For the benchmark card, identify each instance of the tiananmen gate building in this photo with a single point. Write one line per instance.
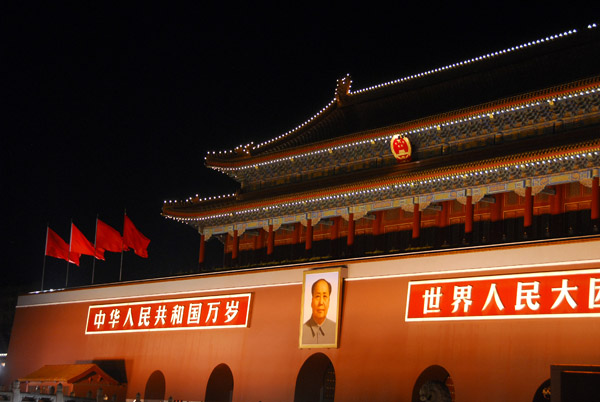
(433, 238)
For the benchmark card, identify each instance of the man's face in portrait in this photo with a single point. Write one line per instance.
(320, 301)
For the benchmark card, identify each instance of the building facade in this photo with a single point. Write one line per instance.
(453, 215)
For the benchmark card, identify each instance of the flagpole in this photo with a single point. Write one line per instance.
(45, 250)
(121, 268)
(95, 250)
(70, 242)
(122, 246)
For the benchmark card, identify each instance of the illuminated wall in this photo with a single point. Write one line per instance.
(381, 356)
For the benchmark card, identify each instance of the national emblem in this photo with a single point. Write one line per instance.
(401, 148)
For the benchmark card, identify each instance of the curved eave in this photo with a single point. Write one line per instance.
(408, 128)
(285, 146)
(246, 156)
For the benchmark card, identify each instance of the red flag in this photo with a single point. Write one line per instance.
(58, 248)
(55, 246)
(107, 239)
(79, 244)
(74, 258)
(133, 238)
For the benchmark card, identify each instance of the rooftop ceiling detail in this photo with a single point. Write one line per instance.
(552, 161)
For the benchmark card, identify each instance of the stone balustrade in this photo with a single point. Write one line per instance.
(15, 395)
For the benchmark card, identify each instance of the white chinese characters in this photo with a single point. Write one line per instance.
(213, 311)
(564, 294)
(431, 302)
(568, 293)
(594, 293)
(527, 295)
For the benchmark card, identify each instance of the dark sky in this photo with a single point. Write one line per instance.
(111, 107)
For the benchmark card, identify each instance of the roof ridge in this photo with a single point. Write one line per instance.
(246, 149)
(414, 126)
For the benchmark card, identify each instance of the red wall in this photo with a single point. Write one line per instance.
(380, 355)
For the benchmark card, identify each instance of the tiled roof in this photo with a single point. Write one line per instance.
(68, 373)
(529, 113)
(455, 130)
(498, 75)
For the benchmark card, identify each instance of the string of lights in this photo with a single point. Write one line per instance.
(251, 146)
(202, 211)
(415, 131)
(409, 183)
(551, 99)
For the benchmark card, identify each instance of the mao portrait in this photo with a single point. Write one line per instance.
(320, 309)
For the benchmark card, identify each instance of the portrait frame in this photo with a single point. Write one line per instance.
(334, 276)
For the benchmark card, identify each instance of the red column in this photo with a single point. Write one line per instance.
(557, 206)
(259, 242)
(296, 235)
(496, 215)
(557, 200)
(377, 223)
(469, 215)
(227, 242)
(270, 240)
(496, 210)
(442, 216)
(416, 226)
(595, 199)
(236, 244)
(309, 234)
(442, 224)
(202, 252)
(528, 215)
(350, 229)
(335, 228)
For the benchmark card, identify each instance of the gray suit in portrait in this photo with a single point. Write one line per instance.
(323, 334)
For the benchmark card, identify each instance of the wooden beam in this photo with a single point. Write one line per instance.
(488, 199)
(548, 191)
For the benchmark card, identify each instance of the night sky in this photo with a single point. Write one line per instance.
(108, 108)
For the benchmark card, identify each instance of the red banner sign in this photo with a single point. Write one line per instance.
(229, 311)
(550, 294)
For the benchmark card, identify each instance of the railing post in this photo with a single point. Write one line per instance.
(16, 391)
(60, 396)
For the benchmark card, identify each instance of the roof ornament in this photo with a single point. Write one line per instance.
(342, 91)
